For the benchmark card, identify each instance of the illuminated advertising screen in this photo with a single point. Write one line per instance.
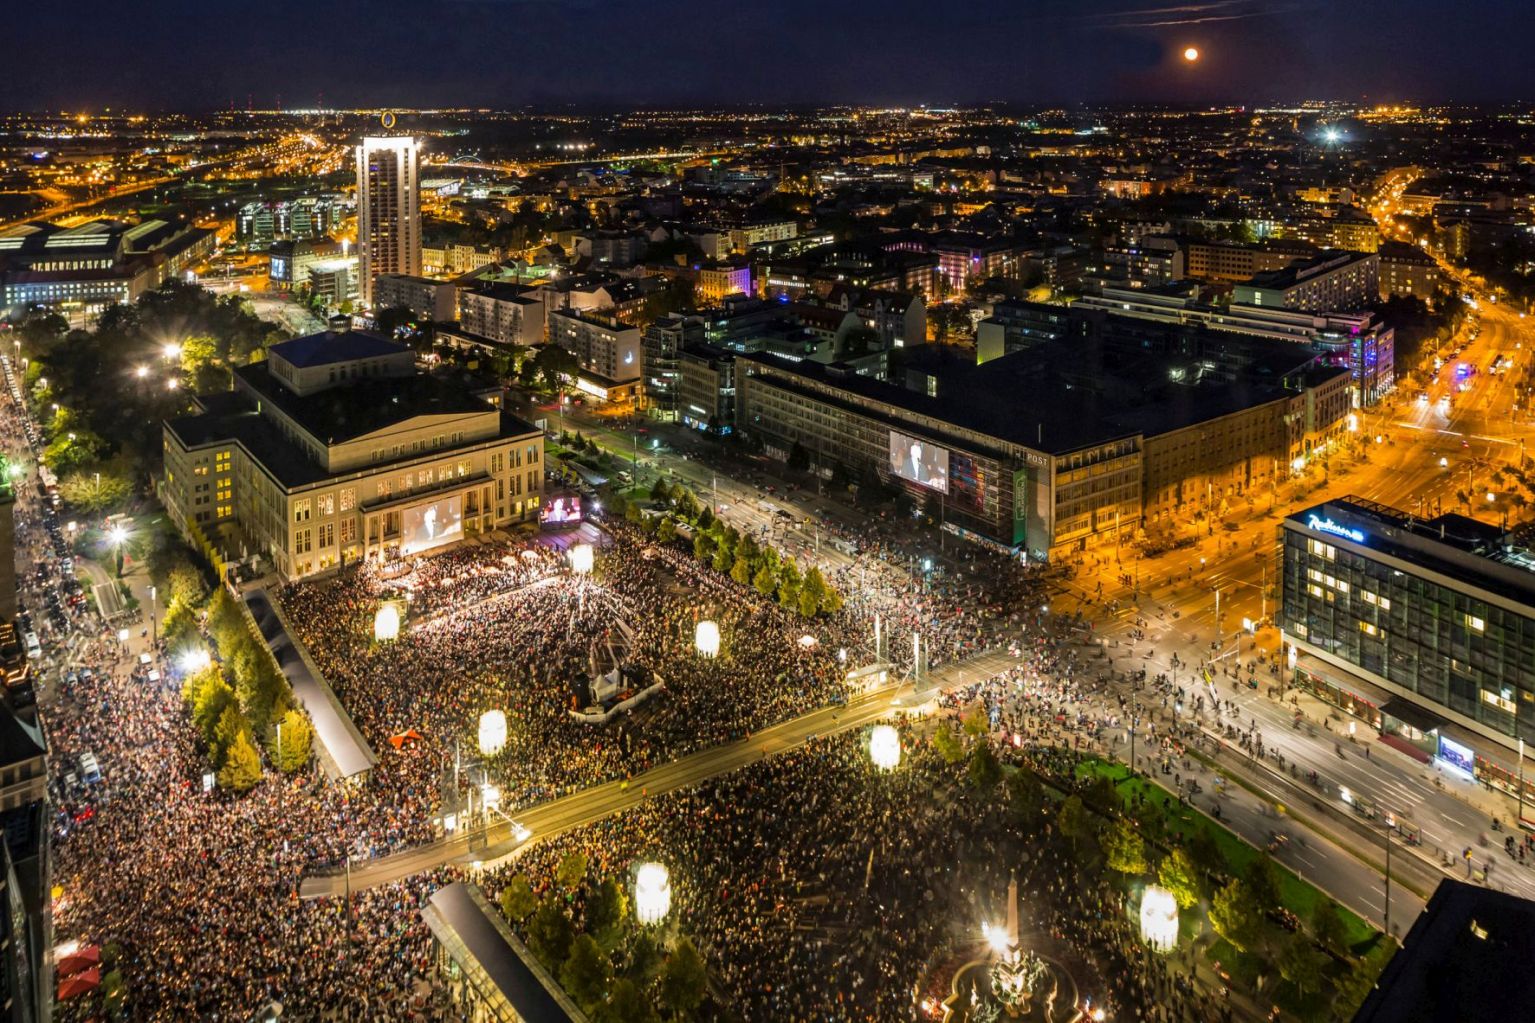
(430, 525)
(560, 510)
(919, 461)
(1456, 755)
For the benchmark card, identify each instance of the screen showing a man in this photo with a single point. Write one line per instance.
(561, 511)
(919, 461)
(430, 525)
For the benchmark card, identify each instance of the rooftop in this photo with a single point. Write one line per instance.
(333, 346)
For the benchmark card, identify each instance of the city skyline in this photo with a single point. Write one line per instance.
(494, 53)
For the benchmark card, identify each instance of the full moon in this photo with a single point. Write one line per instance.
(1191, 54)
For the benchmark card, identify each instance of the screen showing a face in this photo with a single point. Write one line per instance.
(429, 525)
(561, 510)
(919, 461)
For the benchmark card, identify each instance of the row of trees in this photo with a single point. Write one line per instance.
(1245, 905)
(242, 700)
(616, 970)
(728, 550)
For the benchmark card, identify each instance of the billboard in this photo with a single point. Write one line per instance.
(1457, 756)
(430, 525)
(560, 510)
(919, 461)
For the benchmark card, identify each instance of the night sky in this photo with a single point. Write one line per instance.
(186, 55)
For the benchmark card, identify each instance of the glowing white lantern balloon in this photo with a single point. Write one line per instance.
(386, 624)
(652, 893)
(706, 639)
(492, 732)
(581, 559)
(1159, 918)
(885, 747)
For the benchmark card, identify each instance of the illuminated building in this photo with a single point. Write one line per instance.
(1408, 270)
(1425, 628)
(388, 210)
(1334, 281)
(706, 398)
(336, 449)
(606, 347)
(428, 299)
(660, 351)
(507, 314)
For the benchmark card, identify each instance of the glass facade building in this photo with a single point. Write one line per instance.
(1438, 613)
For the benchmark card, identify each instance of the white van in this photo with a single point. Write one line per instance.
(34, 648)
(90, 770)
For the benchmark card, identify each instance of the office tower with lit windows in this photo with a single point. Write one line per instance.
(388, 210)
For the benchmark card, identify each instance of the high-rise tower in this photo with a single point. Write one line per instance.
(388, 210)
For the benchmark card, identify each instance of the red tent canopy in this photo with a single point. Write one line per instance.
(409, 735)
(79, 962)
(79, 984)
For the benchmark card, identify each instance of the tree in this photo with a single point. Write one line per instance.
(1206, 853)
(184, 583)
(831, 601)
(606, 909)
(809, 604)
(242, 767)
(571, 871)
(94, 492)
(626, 1003)
(815, 586)
(179, 624)
(1178, 875)
(984, 771)
(683, 981)
(202, 365)
(1024, 795)
(1263, 880)
(947, 743)
(212, 700)
(1327, 927)
(517, 899)
(586, 972)
(1234, 914)
(666, 530)
(788, 594)
(644, 958)
(722, 558)
(660, 490)
(73, 450)
(231, 725)
(1355, 986)
(297, 737)
(765, 581)
(1072, 819)
(703, 546)
(1301, 963)
(705, 518)
(741, 571)
(1124, 849)
(550, 932)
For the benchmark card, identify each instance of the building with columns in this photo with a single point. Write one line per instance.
(337, 448)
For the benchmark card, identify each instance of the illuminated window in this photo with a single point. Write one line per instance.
(326, 504)
(1314, 574)
(225, 511)
(1474, 623)
(348, 499)
(348, 530)
(1503, 703)
(1321, 550)
(1368, 629)
(301, 510)
(1315, 591)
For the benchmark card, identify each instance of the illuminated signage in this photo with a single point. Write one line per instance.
(1329, 526)
(1457, 756)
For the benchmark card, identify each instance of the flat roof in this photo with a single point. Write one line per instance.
(1038, 401)
(1463, 959)
(361, 407)
(485, 948)
(1474, 553)
(332, 346)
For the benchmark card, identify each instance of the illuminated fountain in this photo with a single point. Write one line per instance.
(1013, 982)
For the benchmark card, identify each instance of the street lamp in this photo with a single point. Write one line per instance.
(141, 372)
(118, 536)
(652, 893)
(492, 732)
(706, 639)
(1159, 918)
(885, 747)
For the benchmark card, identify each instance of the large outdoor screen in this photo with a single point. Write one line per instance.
(919, 461)
(561, 510)
(429, 525)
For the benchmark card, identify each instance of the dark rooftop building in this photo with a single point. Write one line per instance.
(1463, 959)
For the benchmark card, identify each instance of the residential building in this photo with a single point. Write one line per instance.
(334, 281)
(388, 210)
(429, 299)
(1408, 270)
(746, 237)
(607, 348)
(336, 448)
(1333, 281)
(508, 314)
(1015, 326)
(717, 280)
